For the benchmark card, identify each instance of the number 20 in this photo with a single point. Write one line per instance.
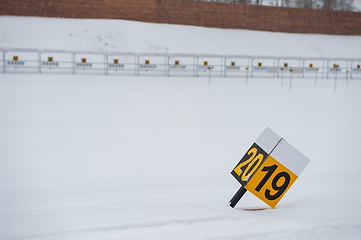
(251, 161)
(280, 189)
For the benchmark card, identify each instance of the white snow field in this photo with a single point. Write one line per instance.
(90, 157)
(131, 36)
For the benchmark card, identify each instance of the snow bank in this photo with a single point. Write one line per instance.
(130, 36)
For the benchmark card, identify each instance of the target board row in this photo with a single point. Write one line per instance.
(116, 65)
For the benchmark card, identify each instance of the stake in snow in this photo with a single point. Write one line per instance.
(268, 169)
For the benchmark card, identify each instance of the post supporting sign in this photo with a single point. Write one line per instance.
(336, 69)
(268, 169)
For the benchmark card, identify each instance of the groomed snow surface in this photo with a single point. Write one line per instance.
(94, 157)
(90, 157)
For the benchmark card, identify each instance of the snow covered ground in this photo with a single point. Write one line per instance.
(130, 36)
(123, 157)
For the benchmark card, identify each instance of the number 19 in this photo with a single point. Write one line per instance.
(280, 189)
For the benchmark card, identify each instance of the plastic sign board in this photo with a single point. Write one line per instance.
(16, 63)
(84, 65)
(205, 63)
(116, 65)
(205, 67)
(270, 167)
(147, 67)
(233, 68)
(297, 70)
(177, 66)
(147, 62)
(272, 69)
(311, 69)
(260, 69)
(50, 64)
(259, 64)
(116, 61)
(311, 65)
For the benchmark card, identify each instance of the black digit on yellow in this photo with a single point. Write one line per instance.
(270, 171)
(280, 189)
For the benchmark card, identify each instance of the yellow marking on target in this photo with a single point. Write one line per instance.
(271, 182)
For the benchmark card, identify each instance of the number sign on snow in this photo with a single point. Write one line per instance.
(269, 168)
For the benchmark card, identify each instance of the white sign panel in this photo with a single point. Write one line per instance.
(260, 69)
(272, 69)
(205, 67)
(50, 64)
(177, 67)
(297, 70)
(233, 68)
(84, 65)
(310, 69)
(15, 63)
(116, 66)
(147, 67)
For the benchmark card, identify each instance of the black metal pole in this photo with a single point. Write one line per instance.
(335, 80)
(209, 82)
(235, 199)
(291, 81)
